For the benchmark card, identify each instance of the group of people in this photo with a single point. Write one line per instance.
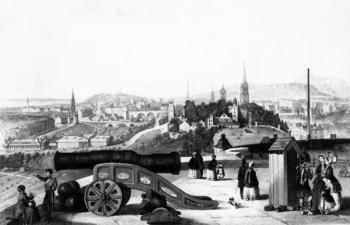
(325, 196)
(26, 211)
(215, 170)
(248, 182)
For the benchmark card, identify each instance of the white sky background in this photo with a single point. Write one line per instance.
(150, 48)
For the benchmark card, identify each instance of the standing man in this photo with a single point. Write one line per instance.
(303, 175)
(241, 176)
(200, 163)
(50, 187)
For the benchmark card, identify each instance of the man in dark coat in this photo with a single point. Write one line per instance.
(303, 175)
(200, 163)
(241, 176)
(50, 187)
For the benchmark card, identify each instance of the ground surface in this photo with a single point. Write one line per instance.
(251, 213)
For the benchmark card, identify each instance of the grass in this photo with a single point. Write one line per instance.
(146, 139)
(76, 130)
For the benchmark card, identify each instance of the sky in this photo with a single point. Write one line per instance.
(151, 48)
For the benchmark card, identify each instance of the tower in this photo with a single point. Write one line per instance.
(171, 110)
(244, 88)
(212, 96)
(223, 93)
(234, 110)
(72, 104)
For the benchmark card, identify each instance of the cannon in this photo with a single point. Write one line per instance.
(115, 173)
(158, 163)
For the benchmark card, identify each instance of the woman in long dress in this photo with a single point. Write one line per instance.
(193, 168)
(331, 198)
(251, 186)
(318, 184)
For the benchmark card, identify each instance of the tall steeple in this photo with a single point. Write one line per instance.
(188, 91)
(212, 96)
(244, 88)
(72, 104)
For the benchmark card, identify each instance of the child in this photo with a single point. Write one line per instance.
(33, 211)
(330, 198)
(220, 171)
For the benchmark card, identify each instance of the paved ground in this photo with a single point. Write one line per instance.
(251, 213)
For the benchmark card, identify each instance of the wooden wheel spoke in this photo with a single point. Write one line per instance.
(97, 205)
(103, 197)
(110, 188)
(95, 190)
(104, 209)
(92, 198)
(111, 205)
(115, 197)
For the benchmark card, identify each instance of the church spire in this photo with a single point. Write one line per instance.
(188, 91)
(212, 96)
(72, 103)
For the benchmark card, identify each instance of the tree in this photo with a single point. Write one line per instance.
(191, 112)
(221, 107)
(202, 111)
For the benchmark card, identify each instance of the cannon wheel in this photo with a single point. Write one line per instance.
(103, 197)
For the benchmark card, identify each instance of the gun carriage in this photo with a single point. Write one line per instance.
(115, 173)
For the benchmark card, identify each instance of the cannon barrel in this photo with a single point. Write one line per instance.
(158, 163)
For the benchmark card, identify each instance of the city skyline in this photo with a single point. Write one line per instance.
(152, 49)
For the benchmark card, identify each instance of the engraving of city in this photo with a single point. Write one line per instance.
(163, 112)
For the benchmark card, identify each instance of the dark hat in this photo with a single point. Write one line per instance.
(21, 187)
(49, 170)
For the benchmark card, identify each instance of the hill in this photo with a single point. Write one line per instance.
(332, 86)
(260, 92)
(118, 99)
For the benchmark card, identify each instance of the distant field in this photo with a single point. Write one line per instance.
(77, 130)
(146, 139)
(115, 132)
(242, 136)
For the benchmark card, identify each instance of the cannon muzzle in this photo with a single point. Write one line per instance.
(158, 163)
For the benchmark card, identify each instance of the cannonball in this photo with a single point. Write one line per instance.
(58, 205)
(68, 188)
(71, 203)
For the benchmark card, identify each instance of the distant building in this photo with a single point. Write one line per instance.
(234, 110)
(118, 112)
(317, 132)
(72, 142)
(244, 89)
(101, 141)
(61, 120)
(227, 121)
(184, 127)
(27, 145)
(210, 121)
(171, 111)
(84, 112)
